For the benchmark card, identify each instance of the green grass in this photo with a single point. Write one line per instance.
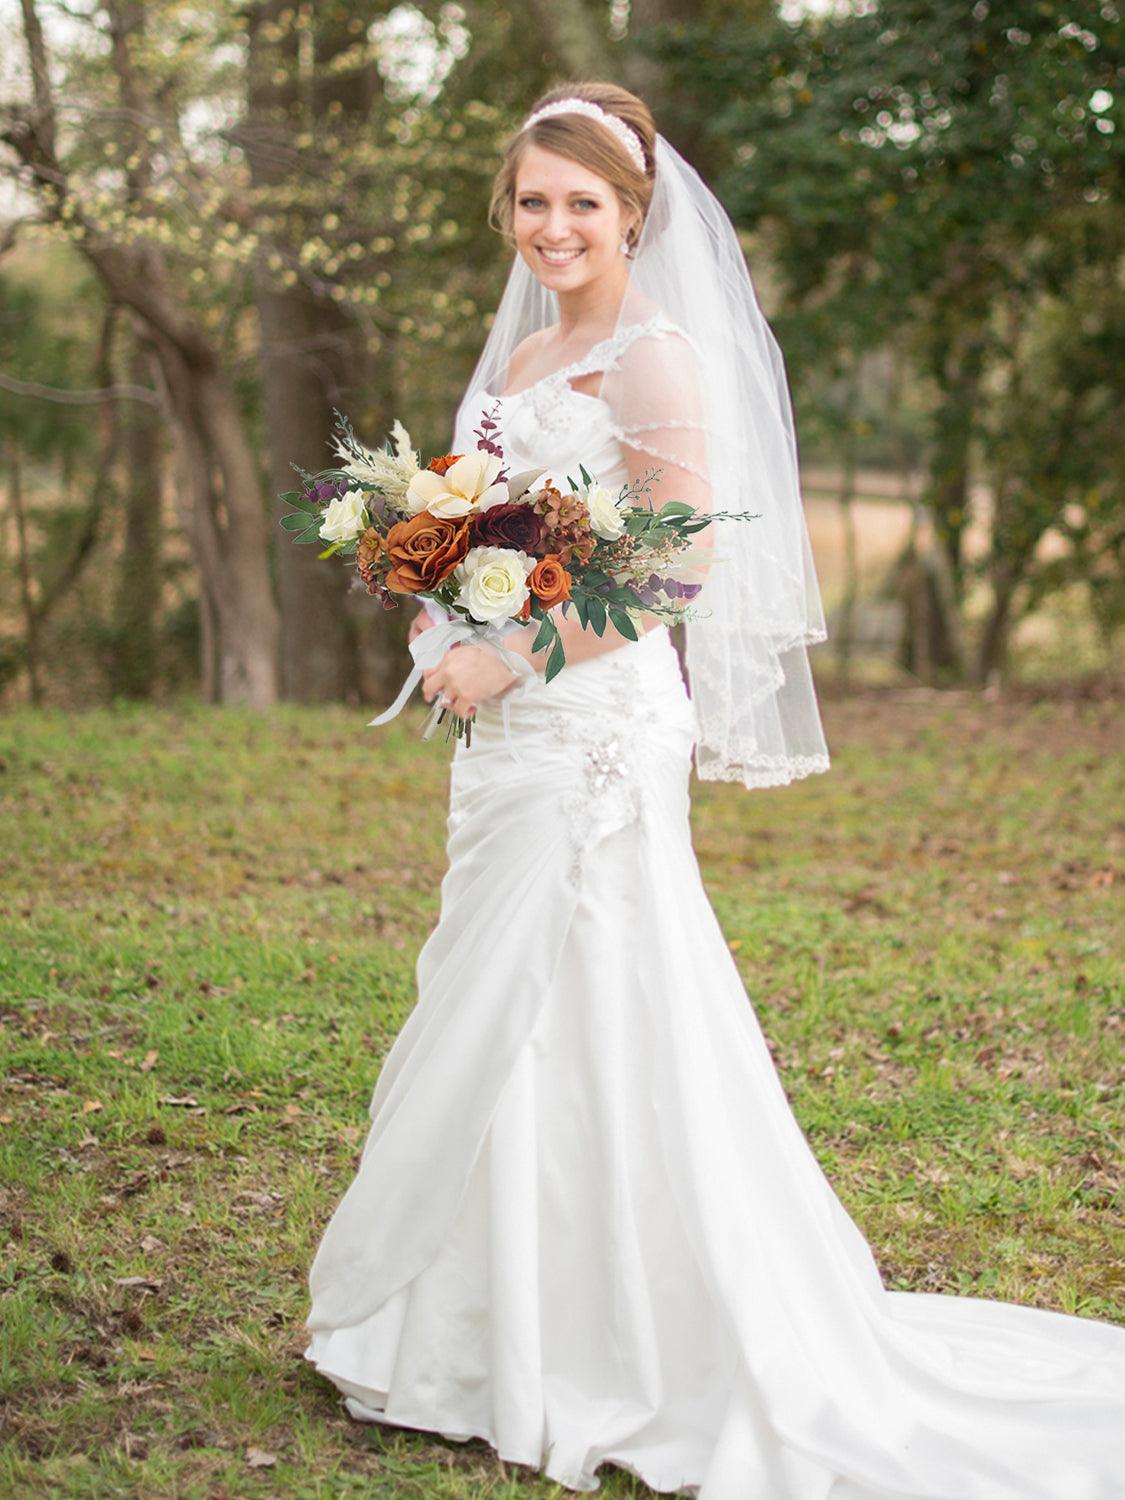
(209, 923)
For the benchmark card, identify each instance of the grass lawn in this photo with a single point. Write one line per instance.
(208, 926)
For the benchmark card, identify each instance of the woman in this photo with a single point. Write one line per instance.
(586, 1225)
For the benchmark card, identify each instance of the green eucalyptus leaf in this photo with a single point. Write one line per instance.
(546, 633)
(556, 661)
(623, 624)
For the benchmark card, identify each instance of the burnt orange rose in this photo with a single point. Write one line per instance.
(549, 581)
(447, 460)
(423, 551)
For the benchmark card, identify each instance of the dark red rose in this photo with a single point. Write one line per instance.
(511, 525)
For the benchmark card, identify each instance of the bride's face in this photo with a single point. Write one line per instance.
(567, 221)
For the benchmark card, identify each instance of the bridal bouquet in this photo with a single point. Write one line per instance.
(492, 550)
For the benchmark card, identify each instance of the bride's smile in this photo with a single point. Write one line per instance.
(569, 225)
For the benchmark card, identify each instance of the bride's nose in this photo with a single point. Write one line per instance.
(557, 226)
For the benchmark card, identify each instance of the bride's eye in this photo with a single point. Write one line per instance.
(531, 202)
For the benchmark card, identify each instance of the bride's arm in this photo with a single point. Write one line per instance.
(653, 397)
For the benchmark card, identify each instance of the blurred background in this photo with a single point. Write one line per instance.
(218, 221)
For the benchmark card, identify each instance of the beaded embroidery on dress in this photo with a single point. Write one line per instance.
(586, 1225)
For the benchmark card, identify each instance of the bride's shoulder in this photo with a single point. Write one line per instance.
(654, 340)
(658, 366)
(523, 356)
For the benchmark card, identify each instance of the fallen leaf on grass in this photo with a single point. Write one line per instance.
(257, 1458)
(91, 1105)
(150, 1244)
(147, 1282)
(149, 1060)
(186, 1101)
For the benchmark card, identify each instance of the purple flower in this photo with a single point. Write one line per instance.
(322, 491)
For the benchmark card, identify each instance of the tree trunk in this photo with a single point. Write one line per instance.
(309, 356)
(647, 75)
(135, 666)
(576, 36)
(230, 525)
(31, 624)
(956, 359)
(847, 515)
(226, 527)
(992, 656)
(931, 648)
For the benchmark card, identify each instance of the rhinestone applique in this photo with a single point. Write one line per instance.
(609, 792)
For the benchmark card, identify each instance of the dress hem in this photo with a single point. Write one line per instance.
(451, 1431)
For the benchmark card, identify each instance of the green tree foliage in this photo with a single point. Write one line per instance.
(940, 175)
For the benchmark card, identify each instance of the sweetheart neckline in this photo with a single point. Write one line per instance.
(515, 395)
(636, 330)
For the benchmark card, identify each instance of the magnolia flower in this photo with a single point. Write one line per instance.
(344, 518)
(606, 519)
(467, 485)
(493, 582)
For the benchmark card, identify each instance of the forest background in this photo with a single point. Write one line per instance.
(219, 221)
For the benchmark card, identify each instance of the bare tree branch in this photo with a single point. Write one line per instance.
(40, 78)
(79, 398)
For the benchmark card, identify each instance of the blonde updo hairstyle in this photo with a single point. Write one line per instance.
(590, 143)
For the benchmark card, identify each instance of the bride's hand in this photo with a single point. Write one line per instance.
(466, 676)
(420, 622)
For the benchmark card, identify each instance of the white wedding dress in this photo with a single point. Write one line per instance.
(586, 1225)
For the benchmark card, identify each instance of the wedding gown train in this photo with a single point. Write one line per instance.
(586, 1225)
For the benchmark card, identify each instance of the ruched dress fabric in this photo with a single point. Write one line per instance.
(586, 1225)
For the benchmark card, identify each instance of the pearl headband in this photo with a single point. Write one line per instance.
(624, 133)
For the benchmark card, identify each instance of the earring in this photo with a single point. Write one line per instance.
(624, 247)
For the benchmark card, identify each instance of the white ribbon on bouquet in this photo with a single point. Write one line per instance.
(429, 646)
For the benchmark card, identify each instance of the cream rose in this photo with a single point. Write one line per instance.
(493, 582)
(467, 485)
(344, 518)
(606, 519)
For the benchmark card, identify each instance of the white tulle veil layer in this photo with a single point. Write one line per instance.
(695, 384)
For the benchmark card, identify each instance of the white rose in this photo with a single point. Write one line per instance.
(467, 485)
(344, 518)
(606, 519)
(493, 582)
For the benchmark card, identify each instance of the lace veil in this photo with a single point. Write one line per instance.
(694, 384)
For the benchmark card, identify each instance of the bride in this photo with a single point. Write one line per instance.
(586, 1226)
